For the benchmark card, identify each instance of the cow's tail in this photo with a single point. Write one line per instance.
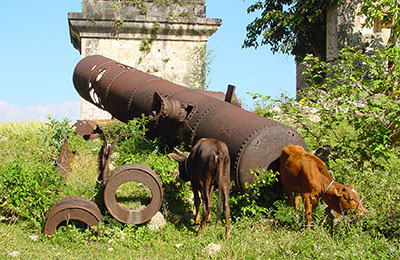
(220, 168)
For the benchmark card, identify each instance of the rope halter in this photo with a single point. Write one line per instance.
(327, 188)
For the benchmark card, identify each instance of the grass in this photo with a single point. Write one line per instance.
(20, 141)
(133, 195)
(252, 238)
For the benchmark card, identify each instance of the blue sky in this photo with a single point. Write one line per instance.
(37, 59)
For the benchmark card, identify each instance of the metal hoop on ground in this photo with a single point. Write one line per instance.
(71, 208)
(133, 173)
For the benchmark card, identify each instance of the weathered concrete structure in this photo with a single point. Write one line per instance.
(166, 38)
(344, 27)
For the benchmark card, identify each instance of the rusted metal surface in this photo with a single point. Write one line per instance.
(254, 142)
(88, 129)
(133, 173)
(64, 159)
(71, 208)
(230, 94)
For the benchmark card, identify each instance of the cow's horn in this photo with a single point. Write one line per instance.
(178, 151)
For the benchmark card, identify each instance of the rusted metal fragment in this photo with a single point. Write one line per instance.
(64, 159)
(88, 129)
(104, 159)
(133, 173)
(230, 92)
(71, 208)
(163, 107)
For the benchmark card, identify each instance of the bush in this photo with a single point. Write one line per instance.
(28, 185)
(54, 133)
(353, 106)
(258, 198)
(28, 190)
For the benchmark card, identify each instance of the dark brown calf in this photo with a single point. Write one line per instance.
(306, 174)
(207, 164)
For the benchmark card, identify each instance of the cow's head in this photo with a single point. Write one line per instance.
(180, 157)
(344, 199)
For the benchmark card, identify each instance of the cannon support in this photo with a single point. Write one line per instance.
(184, 115)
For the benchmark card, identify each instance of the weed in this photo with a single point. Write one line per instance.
(28, 190)
(145, 45)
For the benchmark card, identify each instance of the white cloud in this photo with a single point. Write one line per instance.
(14, 113)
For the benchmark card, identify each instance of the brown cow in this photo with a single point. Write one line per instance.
(207, 164)
(306, 174)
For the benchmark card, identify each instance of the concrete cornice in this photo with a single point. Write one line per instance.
(182, 29)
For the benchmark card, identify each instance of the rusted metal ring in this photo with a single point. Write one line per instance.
(71, 208)
(133, 173)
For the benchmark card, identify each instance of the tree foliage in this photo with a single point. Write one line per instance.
(289, 26)
(387, 12)
(352, 109)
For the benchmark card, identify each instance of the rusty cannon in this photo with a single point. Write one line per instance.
(185, 115)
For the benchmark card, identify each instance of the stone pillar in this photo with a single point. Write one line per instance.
(164, 38)
(331, 32)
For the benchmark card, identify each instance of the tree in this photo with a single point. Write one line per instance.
(387, 12)
(290, 26)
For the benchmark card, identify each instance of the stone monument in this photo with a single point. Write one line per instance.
(166, 38)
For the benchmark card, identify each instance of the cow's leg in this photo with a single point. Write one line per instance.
(210, 197)
(297, 199)
(294, 200)
(205, 195)
(227, 211)
(196, 204)
(205, 212)
(219, 201)
(307, 208)
(314, 203)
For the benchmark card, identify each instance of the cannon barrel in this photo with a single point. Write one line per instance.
(184, 115)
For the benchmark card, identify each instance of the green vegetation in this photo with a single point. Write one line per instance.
(145, 45)
(352, 108)
(200, 71)
(289, 26)
(299, 27)
(359, 117)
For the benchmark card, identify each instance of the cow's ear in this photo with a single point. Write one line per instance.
(177, 157)
(173, 156)
(337, 192)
